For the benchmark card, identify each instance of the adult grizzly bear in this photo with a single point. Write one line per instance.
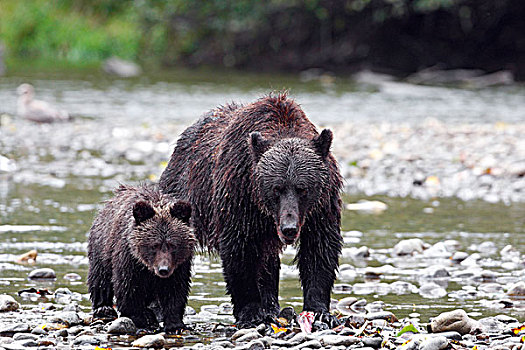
(259, 177)
(140, 250)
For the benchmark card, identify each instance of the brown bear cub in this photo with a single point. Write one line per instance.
(140, 250)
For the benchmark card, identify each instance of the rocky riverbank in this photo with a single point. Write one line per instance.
(433, 159)
(363, 326)
(417, 272)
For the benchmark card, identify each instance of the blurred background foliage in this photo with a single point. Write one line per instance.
(397, 35)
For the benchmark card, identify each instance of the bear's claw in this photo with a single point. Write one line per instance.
(104, 313)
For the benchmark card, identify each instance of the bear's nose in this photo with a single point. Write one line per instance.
(164, 270)
(289, 231)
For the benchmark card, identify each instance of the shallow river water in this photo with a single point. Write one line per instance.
(64, 171)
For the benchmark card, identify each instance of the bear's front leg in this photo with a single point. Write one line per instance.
(173, 297)
(318, 261)
(268, 283)
(132, 287)
(240, 273)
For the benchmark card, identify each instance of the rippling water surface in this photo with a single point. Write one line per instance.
(50, 208)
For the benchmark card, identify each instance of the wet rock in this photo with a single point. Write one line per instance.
(150, 341)
(487, 248)
(342, 288)
(87, 339)
(373, 342)
(375, 207)
(492, 288)
(517, 290)
(409, 247)
(338, 340)
(402, 287)
(242, 332)
(311, 344)
(122, 325)
(253, 345)
(122, 68)
(189, 311)
(72, 276)
(225, 309)
(213, 309)
(254, 334)
(43, 273)
(432, 290)
(438, 250)
(382, 315)
(10, 329)
(434, 343)
(68, 318)
(7, 165)
(24, 336)
(345, 305)
(8, 303)
(452, 335)
(223, 344)
(456, 320)
(435, 271)
(491, 325)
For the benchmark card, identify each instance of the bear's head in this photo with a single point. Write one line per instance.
(290, 178)
(161, 238)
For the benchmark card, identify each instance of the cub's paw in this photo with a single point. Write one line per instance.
(325, 317)
(104, 313)
(145, 320)
(175, 328)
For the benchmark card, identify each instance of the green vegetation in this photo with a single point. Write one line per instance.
(56, 30)
(400, 35)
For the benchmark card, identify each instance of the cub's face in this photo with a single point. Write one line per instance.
(162, 239)
(290, 177)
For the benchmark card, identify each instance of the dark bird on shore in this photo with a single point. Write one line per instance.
(36, 110)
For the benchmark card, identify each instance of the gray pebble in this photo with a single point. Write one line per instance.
(87, 340)
(434, 343)
(249, 336)
(11, 329)
(432, 290)
(24, 336)
(68, 318)
(242, 332)
(43, 273)
(409, 247)
(373, 342)
(337, 340)
(150, 341)
(312, 344)
(122, 325)
(8, 303)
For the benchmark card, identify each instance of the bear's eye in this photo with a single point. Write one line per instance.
(301, 191)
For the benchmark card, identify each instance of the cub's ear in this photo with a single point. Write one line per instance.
(258, 145)
(182, 211)
(323, 142)
(142, 211)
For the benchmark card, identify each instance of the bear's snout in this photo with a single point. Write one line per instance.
(289, 227)
(163, 265)
(163, 270)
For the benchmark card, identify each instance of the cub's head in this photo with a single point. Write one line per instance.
(161, 238)
(290, 178)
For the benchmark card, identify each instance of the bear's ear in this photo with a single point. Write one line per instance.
(323, 142)
(182, 211)
(142, 211)
(258, 145)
